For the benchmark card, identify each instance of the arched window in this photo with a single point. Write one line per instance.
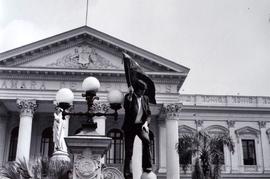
(13, 144)
(152, 146)
(183, 131)
(116, 153)
(218, 130)
(47, 145)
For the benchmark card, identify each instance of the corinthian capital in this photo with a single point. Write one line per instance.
(27, 106)
(172, 110)
(99, 107)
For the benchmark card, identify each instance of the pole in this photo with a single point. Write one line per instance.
(86, 14)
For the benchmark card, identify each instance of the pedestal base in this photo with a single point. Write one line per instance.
(59, 164)
(88, 151)
(150, 175)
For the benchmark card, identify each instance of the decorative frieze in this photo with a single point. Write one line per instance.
(83, 56)
(44, 84)
(215, 100)
(27, 106)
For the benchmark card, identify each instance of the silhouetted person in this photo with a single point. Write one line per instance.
(136, 122)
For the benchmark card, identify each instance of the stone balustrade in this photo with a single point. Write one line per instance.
(230, 101)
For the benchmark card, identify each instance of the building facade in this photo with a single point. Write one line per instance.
(31, 75)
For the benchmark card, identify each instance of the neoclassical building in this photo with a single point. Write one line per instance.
(31, 75)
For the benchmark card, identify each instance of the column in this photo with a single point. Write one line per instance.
(99, 107)
(234, 156)
(268, 152)
(162, 148)
(3, 127)
(172, 157)
(27, 108)
(265, 147)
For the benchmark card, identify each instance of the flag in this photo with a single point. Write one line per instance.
(133, 71)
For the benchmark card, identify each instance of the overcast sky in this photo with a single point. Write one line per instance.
(225, 43)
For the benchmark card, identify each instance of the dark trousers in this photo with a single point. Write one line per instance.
(129, 140)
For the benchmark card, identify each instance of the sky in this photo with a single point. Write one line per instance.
(225, 43)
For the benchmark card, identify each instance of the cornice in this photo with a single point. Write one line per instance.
(227, 108)
(73, 74)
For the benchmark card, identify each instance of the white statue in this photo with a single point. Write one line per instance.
(59, 132)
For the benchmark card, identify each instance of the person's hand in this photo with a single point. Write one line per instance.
(145, 127)
(130, 90)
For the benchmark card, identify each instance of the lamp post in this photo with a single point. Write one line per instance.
(65, 97)
(88, 146)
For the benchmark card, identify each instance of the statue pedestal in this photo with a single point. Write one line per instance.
(87, 151)
(150, 175)
(59, 163)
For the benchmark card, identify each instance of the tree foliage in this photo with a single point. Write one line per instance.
(208, 150)
(40, 168)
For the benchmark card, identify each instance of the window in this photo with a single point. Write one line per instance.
(249, 152)
(185, 156)
(218, 131)
(116, 153)
(47, 145)
(13, 144)
(152, 146)
(220, 149)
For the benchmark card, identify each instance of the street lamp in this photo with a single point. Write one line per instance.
(65, 97)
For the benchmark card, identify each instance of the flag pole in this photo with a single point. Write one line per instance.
(86, 14)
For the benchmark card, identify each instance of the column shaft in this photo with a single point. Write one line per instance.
(3, 126)
(172, 155)
(27, 108)
(24, 138)
(234, 156)
(265, 147)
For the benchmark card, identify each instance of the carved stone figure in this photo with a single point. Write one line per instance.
(58, 132)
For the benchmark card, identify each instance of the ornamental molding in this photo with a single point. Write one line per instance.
(262, 124)
(231, 123)
(86, 165)
(231, 102)
(172, 107)
(27, 106)
(186, 130)
(84, 57)
(42, 52)
(247, 132)
(217, 129)
(111, 173)
(172, 110)
(99, 107)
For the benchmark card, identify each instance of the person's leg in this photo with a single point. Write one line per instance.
(146, 156)
(129, 140)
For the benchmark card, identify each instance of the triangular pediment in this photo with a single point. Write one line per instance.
(85, 48)
(82, 56)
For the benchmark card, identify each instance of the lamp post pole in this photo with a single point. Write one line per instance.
(88, 146)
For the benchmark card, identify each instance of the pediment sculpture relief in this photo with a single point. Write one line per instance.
(84, 57)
